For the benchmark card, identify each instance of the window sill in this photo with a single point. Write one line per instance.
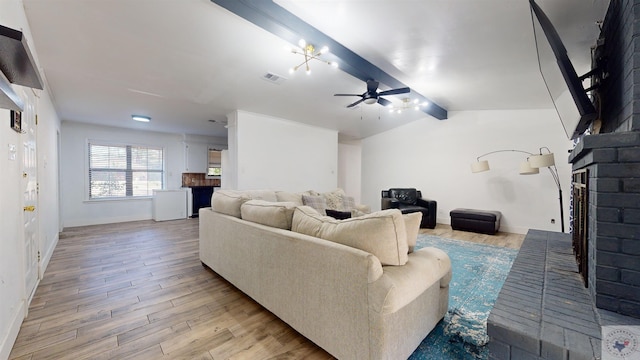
(137, 198)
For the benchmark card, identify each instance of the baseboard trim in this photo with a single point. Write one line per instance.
(102, 221)
(46, 257)
(514, 229)
(12, 334)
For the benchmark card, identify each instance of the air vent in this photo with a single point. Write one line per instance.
(274, 78)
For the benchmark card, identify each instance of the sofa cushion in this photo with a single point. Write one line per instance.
(228, 201)
(274, 214)
(319, 203)
(267, 195)
(412, 225)
(382, 233)
(284, 196)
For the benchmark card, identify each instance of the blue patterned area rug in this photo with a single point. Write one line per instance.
(478, 274)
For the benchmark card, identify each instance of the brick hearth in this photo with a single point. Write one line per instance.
(543, 310)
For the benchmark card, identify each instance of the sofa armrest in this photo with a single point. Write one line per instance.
(429, 204)
(399, 285)
(389, 203)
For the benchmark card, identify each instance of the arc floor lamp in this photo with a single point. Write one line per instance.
(531, 165)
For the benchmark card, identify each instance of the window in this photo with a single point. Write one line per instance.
(214, 168)
(117, 171)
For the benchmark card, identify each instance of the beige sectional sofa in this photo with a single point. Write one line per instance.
(311, 271)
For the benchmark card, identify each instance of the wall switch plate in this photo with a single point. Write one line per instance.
(16, 121)
(12, 152)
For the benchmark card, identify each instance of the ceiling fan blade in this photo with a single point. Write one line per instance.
(347, 95)
(403, 90)
(384, 102)
(355, 103)
(372, 86)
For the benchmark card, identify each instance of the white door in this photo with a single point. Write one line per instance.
(30, 195)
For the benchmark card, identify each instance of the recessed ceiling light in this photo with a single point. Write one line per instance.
(141, 118)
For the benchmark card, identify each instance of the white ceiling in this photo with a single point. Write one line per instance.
(185, 62)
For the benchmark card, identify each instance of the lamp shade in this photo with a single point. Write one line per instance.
(526, 169)
(542, 160)
(480, 166)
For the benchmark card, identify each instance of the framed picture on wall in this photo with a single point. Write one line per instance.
(16, 121)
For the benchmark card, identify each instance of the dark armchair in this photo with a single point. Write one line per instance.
(409, 200)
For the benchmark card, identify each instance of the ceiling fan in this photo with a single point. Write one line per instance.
(372, 96)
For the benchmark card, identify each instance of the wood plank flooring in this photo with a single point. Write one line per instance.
(508, 240)
(138, 291)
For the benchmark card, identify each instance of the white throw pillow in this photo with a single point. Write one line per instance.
(382, 233)
(274, 214)
(334, 199)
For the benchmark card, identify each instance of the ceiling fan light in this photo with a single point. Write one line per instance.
(302, 43)
(324, 50)
(140, 118)
(370, 101)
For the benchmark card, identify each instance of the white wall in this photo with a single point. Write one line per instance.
(273, 153)
(77, 209)
(13, 297)
(350, 168)
(435, 156)
(48, 178)
(229, 178)
(196, 151)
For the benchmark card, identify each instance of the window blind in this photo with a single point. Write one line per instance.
(117, 171)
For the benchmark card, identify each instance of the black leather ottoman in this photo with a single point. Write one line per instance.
(480, 221)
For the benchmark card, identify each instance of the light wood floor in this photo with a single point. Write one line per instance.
(138, 291)
(508, 240)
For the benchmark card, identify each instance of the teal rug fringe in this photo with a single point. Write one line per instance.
(479, 271)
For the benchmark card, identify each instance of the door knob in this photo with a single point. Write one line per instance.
(30, 208)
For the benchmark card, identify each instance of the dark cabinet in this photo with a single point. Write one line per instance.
(201, 197)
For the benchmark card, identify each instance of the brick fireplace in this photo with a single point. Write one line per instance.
(546, 310)
(612, 161)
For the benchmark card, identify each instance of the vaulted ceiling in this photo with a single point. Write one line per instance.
(186, 62)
